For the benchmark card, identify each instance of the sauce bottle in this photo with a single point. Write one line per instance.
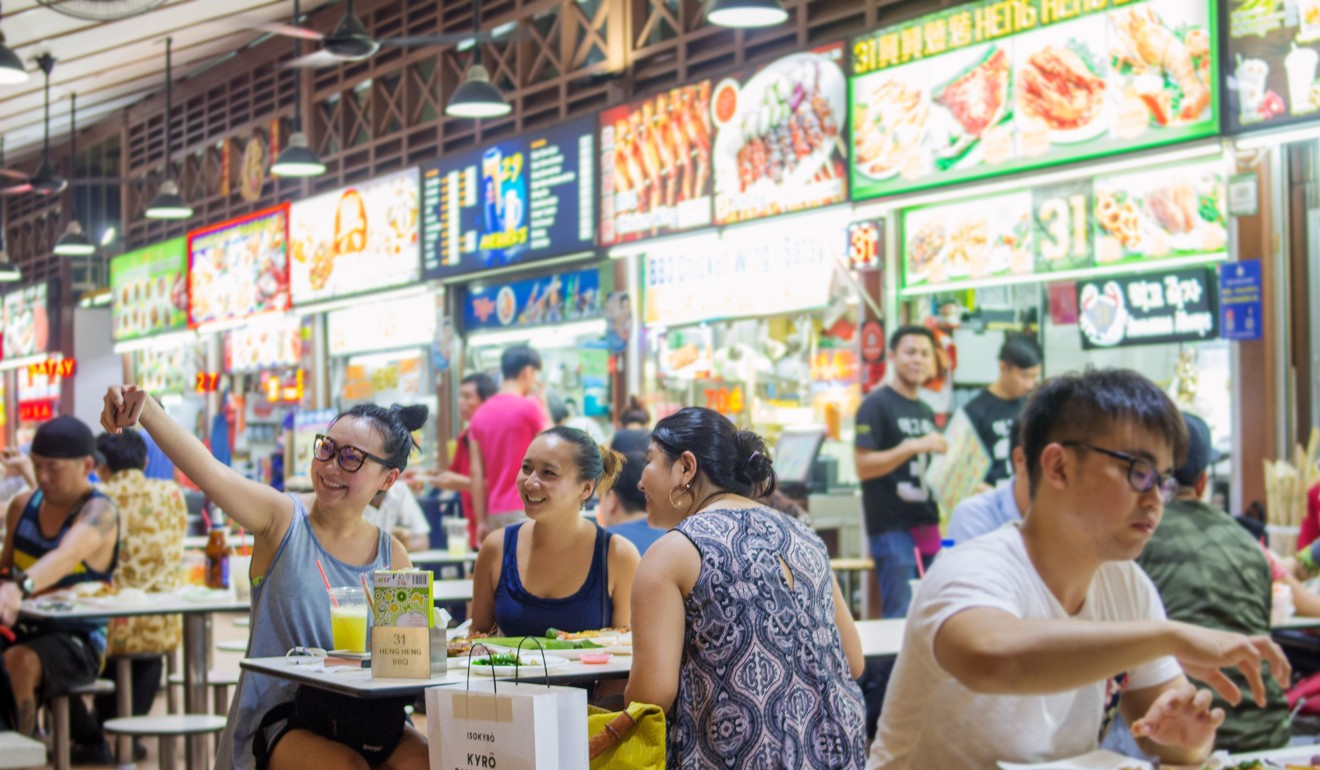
(218, 552)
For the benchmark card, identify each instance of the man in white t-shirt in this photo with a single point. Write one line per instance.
(1019, 644)
(397, 512)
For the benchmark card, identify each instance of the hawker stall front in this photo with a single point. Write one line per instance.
(149, 326)
(238, 277)
(1101, 247)
(355, 281)
(505, 220)
(745, 311)
(33, 354)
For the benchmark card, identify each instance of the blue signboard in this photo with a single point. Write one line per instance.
(1239, 299)
(511, 203)
(550, 299)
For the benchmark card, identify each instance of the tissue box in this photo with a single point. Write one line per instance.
(403, 598)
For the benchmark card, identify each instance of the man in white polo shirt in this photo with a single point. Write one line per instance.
(1023, 644)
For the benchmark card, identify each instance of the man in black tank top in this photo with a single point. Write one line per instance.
(63, 533)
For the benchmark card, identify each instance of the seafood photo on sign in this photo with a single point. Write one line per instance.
(972, 97)
(1061, 89)
(778, 145)
(1160, 60)
(973, 239)
(1160, 213)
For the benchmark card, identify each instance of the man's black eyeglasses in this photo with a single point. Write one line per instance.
(1142, 475)
(349, 457)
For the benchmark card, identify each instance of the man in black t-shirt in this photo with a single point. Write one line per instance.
(994, 409)
(895, 437)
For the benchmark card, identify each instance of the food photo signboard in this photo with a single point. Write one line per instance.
(996, 87)
(379, 326)
(29, 324)
(355, 240)
(655, 163)
(1148, 309)
(779, 137)
(1103, 222)
(1271, 64)
(239, 268)
(511, 203)
(149, 290)
(551, 299)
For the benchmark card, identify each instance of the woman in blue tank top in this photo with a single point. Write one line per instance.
(743, 638)
(557, 570)
(272, 723)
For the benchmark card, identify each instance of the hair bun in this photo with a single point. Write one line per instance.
(413, 416)
(753, 456)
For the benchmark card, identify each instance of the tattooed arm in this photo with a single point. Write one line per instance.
(90, 539)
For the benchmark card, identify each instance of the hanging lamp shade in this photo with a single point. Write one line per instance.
(12, 71)
(168, 203)
(47, 181)
(9, 272)
(74, 242)
(477, 97)
(746, 13)
(298, 159)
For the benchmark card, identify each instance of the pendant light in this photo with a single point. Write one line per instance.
(46, 181)
(168, 203)
(8, 271)
(12, 71)
(746, 13)
(298, 159)
(477, 97)
(74, 242)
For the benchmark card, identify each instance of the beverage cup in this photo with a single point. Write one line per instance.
(239, 577)
(1300, 65)
(348, 620)
(1251, 75)
(456, 534)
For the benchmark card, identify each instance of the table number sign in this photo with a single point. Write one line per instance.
(400, 639)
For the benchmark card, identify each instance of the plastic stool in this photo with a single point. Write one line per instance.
(59, 714)
(220, 681)
(166, 729)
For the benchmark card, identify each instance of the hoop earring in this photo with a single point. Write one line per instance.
(686, 490)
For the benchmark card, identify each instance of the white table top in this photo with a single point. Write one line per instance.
(452, 590)
(881, 639)
(1297, 622)
(436, 556)
(55, 608)
(1299, 754)
(358, 681)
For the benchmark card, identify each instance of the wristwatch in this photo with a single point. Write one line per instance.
(24, 581)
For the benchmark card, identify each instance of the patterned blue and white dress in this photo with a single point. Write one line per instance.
(764, 682)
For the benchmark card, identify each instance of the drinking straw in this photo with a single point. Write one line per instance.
(321, 569)
(206, 520)
(242, 542)
(365, 590)
(921, 568)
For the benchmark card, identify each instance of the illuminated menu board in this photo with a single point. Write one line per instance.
(510, 203)
(1103, 224)
(778, 137)
(355, 240)
(655, 163)
(1000, 86)
(149, 290)
(239, 268)
(1273, 55)
(30, 326)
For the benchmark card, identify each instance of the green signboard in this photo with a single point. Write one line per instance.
(1000, 86)
(150, 290)
(1170, 214)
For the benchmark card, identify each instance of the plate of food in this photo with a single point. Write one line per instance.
(569, 649)
(1064, 88)
(1095, 760)
(889, 123)
(508, 663)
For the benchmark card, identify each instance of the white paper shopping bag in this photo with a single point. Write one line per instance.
(489, 725)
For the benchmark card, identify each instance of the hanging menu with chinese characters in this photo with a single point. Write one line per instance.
(1000, 86)
(510, 203)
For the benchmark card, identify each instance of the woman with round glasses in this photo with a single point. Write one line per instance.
(272, 722)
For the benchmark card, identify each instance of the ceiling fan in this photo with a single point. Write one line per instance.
(45, 180)
(349, 41)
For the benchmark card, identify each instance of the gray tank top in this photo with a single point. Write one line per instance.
(289, 607)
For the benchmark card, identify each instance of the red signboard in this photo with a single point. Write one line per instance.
(239, 268)
(36, 411)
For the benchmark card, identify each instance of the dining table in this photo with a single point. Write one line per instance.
(196, 607)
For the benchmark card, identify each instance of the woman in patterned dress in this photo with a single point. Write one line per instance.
(740, 632)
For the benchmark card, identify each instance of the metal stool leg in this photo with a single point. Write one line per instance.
(221, 699)
(59, 711)
(171, 691)
(168, 758)
(124, 699)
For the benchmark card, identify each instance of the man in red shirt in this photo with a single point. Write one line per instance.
(502, 428)
(474, 390)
